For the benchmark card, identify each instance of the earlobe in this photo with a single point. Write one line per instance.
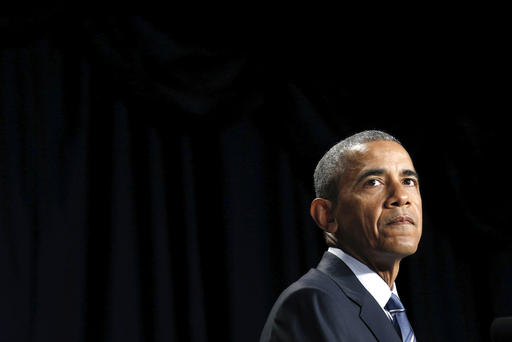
(322, 213)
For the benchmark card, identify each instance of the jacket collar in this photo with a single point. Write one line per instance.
(371, 313)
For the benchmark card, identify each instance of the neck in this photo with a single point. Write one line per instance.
(386, 267)
(386, 272)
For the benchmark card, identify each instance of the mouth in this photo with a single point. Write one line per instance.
(400, 220)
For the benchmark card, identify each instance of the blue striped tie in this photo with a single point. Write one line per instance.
(400, 321)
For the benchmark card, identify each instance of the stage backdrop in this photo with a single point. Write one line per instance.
(155, 178)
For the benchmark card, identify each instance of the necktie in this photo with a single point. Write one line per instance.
(400, 321)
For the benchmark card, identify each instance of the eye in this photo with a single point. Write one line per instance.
(410, 181)
(373, 182)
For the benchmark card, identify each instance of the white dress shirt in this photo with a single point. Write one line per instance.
(372, 282)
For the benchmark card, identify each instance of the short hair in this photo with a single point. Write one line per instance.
(330, 168)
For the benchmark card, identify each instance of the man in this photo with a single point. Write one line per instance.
(369, 206)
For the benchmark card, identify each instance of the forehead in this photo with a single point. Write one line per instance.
(378, 154)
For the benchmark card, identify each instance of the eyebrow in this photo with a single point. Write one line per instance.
(410, 173)
(379, 172)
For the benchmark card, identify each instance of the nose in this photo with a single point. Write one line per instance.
(398, 197)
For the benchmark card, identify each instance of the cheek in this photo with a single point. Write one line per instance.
(370, 215)
(420, 224)
(419, 211)
(359, 217)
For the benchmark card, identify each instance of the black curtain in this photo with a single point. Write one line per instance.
(155, 177)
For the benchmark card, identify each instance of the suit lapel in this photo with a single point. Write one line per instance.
(371, 313)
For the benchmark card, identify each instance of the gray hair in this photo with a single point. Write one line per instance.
(331, 166)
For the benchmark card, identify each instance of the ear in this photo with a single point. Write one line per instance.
(322, 211)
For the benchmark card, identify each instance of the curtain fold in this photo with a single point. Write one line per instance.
(155, 186)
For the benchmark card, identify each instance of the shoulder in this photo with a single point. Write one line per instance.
(312, 307)
(315, 287)
(313, 281)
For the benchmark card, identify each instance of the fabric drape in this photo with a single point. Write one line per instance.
(155, 181)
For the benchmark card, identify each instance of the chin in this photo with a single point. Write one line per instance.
(403, 249)
(406, 250)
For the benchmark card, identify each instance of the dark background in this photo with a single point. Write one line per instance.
(156, 173)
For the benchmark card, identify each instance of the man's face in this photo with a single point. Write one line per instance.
(379, 212)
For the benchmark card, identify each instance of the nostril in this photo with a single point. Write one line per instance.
(399, 203)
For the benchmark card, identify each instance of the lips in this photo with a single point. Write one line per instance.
(400, 219)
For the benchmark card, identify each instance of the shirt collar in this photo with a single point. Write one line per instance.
(372, 282)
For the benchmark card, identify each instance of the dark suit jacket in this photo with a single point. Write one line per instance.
(328, 304)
